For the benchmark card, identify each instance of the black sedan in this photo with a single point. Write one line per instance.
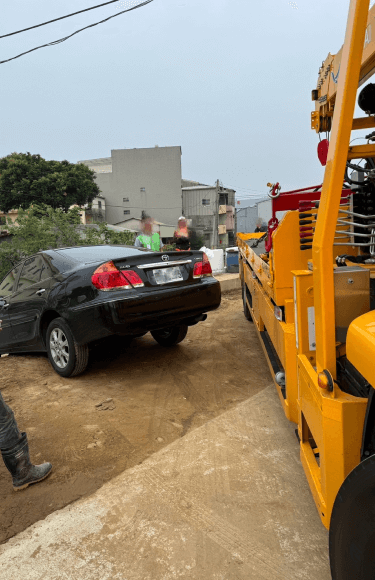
(60, 301)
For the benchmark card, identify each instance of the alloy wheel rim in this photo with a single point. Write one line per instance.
(59, 348)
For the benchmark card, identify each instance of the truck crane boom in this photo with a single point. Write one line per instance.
(325, 92)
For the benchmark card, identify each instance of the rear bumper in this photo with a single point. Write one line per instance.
(136, 312)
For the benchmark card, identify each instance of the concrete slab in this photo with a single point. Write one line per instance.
(228, 282)
(228, 501)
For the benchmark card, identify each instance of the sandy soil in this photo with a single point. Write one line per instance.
(133, 400)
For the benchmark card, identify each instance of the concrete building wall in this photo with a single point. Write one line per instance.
(265, 211)
(249, 202)
(141, 179)
(202, 204)
(193, 198)
(102, 165)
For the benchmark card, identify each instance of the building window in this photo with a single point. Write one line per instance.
(143, 189)
(126, 211)
(125, 199)
(205, 202)
(99, 204)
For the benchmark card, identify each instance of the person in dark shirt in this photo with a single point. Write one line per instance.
(260, 226)
(15, 451)
(182, 235)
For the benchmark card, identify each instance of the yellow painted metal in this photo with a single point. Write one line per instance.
(304, 299)
(363, 123)
(334, 421)
(360, 345)
(330, 424)
(332, 185)
(252, 236)
(282, 335)
(261, 268)
(287, 256)
(361, 151)
(330, 71)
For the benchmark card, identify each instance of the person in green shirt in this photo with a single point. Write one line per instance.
(148, 239)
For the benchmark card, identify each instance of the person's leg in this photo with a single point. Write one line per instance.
(9, 432)
(15, 451)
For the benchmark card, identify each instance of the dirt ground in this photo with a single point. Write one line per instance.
(132, 401)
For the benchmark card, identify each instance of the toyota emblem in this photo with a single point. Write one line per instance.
(165, 258)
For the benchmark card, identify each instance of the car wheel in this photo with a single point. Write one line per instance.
(170, 336)
(66, 356)
(246, 310)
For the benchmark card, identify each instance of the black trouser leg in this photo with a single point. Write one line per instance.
(9, 432)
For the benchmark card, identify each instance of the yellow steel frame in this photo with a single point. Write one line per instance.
(332, 184)
(332, 421)
(281, 333)
(330, 424)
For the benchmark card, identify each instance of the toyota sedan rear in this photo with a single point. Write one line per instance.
(60, 301)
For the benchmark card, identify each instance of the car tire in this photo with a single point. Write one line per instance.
(170, 336)
(68, 359)
(246, 310)
(140, 335)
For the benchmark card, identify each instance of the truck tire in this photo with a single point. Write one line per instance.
(246, 310)
(352, 526)
(170, 336)
(67, 358)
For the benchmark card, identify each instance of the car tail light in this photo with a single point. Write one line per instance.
(108, 277)
(202, 268)
(133, 278)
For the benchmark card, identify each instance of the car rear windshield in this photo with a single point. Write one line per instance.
(97, 253)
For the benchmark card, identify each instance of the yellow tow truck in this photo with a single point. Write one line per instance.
(310, 293)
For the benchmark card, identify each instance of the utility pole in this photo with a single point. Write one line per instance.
(215, 232)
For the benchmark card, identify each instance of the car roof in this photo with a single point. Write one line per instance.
(86, 254)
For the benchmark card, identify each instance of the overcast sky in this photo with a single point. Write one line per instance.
(228, 80)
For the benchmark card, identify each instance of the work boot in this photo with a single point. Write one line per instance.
(23, 472)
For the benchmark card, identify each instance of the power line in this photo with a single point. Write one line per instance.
(53, 43)
(56, 19)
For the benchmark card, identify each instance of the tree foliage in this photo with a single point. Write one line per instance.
(42, 227)
(26, 179)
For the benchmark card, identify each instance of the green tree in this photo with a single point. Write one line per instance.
(42, 227)
(26, 179)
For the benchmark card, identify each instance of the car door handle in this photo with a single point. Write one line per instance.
(40, 292)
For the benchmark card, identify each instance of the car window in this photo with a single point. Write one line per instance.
(46, 270)
(7, 285)
(31, 272)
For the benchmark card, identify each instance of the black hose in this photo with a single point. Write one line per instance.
(351, 181)
(356, 167)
